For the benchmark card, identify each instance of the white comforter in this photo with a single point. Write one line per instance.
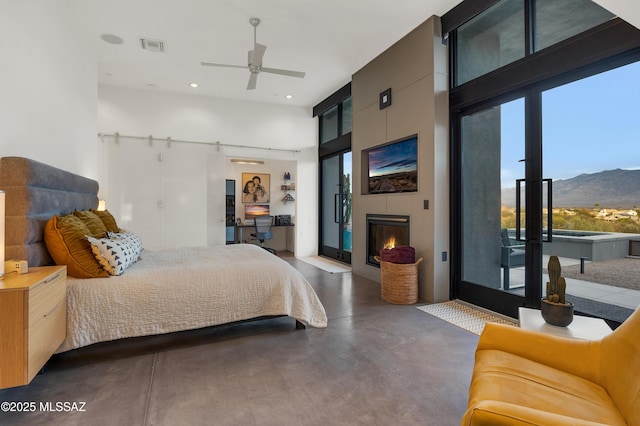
(188, 288)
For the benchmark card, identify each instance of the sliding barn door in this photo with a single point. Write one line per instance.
(166, 193)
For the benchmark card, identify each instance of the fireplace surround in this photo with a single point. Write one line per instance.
(385, 231)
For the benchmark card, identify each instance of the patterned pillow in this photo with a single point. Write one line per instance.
(130, 237)
(115, 255)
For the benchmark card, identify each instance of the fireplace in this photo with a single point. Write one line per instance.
(385, 231)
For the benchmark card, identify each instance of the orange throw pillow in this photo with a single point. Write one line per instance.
(107, 219)
(93, 222)
(66, 240)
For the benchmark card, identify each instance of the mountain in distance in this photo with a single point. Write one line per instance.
(609, 189)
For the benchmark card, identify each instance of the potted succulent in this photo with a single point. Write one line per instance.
(555, 309)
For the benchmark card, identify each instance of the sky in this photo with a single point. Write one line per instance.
(394, 158)
(589, 125)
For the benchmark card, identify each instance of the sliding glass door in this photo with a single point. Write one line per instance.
(336, 207)
(493, 201)
(589, 135)
(334, 155)
(551, 172)
(530, 110)
(492, 152)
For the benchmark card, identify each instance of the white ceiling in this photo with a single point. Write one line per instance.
(328, 39)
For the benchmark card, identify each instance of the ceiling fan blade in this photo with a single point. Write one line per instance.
(288, 73)
(211, 64)
(253, 78)
(258, 53)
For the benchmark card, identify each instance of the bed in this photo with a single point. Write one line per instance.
(165, 290)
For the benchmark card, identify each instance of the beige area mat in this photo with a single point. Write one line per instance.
(465, 316)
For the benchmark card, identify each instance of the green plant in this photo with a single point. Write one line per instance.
(556, 286)
(347, 198)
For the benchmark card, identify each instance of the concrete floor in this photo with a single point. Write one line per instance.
(375, 363)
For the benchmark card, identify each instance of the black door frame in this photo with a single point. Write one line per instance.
(335, 253)
(337, 146)
(610, 45)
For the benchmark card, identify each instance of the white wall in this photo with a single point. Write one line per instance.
(197, 118)
(307, 202)
(48, 86)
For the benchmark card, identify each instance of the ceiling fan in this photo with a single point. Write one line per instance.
(255, 61)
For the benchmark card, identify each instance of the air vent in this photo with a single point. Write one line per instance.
(152, 45)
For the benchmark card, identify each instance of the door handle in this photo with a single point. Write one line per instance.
(518, 209)
(549, 237)
(549, 210)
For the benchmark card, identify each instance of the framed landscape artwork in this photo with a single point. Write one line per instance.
(393, 167)
(253, 210)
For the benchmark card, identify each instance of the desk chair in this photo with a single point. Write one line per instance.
(263, 231)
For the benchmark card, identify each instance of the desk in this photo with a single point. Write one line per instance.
(585, 328)
(283, 236)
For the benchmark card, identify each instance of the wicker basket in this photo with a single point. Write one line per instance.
(399, 282)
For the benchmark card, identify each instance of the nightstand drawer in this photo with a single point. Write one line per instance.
(33, 321)
(45, 296)
(47, 320)
(46, 336)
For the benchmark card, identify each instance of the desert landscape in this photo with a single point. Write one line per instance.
(394, 182)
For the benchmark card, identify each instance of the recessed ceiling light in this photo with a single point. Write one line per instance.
(194, 85)
(288, 96)
(111, 39)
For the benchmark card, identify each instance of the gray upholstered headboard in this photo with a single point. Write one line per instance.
(34, 193)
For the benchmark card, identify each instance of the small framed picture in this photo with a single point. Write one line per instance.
(385, 98)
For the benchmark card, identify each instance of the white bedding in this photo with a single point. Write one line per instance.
(188, 288)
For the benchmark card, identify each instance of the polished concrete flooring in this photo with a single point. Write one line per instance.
(375, 364)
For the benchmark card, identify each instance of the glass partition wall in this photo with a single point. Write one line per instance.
(530, 109)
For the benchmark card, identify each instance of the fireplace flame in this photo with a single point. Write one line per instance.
(391, 243)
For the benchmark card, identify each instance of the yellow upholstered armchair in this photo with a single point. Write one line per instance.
(523, 377)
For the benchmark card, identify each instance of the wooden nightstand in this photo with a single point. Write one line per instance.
(33, 322)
